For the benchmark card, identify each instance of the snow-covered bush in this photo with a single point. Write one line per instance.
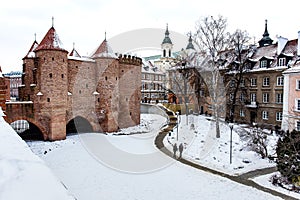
(259, 142)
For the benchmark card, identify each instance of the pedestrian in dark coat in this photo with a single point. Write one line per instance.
(180, 150)
(175, 150)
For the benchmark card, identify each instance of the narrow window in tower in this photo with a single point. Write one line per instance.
(116, 78)
(50, 75)
(98, 99)
(52, 58)
(106, 78)
(62, 75)
(63, 60)
(48, 99)
(130, 113)
(170, 53)
(79, 91)
(44, 58)
(164, 52)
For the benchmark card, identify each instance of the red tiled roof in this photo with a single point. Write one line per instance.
(51, 41)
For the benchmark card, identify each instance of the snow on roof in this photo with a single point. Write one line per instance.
(31, 53)
(74, 53)
(83, 58)
(104, 51)
(51, 41)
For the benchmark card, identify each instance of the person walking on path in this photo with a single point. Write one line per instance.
(175, 150)
(180, 150)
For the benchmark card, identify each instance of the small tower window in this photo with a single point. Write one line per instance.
(79, 91)
(164, 53)
(50, 75)
(48, 99)
(170, 53)
(116, 78)
(106, 78)
(130, 113)
(62, 75)
(98, 99)
(52, 58)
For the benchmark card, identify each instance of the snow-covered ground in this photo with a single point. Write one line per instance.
(265, 181)
(24, 175)
(202, 146)
(124, 166)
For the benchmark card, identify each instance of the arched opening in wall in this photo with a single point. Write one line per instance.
(79, 125)
(27, 130)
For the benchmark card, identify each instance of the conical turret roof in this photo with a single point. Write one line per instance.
(104, 51)
(74, 53)
(51, 41)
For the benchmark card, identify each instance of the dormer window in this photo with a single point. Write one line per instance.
(263, 63)
(281, 61)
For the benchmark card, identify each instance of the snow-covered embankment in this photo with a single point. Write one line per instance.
(23, 175)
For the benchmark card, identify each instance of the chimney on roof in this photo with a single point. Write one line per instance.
(298, 49)
(281, 44)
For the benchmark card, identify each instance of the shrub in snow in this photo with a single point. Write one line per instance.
(288, 156)
(258, 142)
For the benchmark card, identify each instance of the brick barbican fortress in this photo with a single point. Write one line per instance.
(63, 92)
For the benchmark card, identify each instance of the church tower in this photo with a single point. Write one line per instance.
(167, 45)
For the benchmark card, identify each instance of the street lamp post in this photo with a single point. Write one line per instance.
(231, 127)
(177, 114)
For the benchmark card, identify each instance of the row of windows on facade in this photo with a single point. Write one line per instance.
(265, 82)
(264, 63)
(265, 97)
(152, 86)
(264, 115)
(155, 77)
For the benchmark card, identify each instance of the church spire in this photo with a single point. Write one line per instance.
(190, 44)
(266, 40)
(167, 39)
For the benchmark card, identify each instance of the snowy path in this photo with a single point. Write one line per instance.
(91, 176)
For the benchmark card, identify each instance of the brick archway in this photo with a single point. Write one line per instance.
(32, 121)
(79, 124)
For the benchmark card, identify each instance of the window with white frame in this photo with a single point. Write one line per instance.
(279, 98)
(266, 97)
(297, 126)
(242, 113)
(278, 116)
(266, 81)
(253, 81)
(265, 115)
(297, 104)
(298, 85)
(253, 97)
(280, 81)
(263, 63)
(242, 97)
(281, 61)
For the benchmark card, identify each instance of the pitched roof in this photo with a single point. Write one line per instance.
(74, 53)
(104, 51)
(31, 53)
(51, 41)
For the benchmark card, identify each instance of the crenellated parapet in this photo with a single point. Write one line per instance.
(128, 59)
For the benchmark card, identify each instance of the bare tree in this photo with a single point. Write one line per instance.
(211, 38)
(238, 56)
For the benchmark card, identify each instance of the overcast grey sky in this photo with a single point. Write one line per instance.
(85, 21)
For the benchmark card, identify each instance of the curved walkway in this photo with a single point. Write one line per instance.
(242, 179)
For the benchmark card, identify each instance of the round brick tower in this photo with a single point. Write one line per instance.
(52, 84)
